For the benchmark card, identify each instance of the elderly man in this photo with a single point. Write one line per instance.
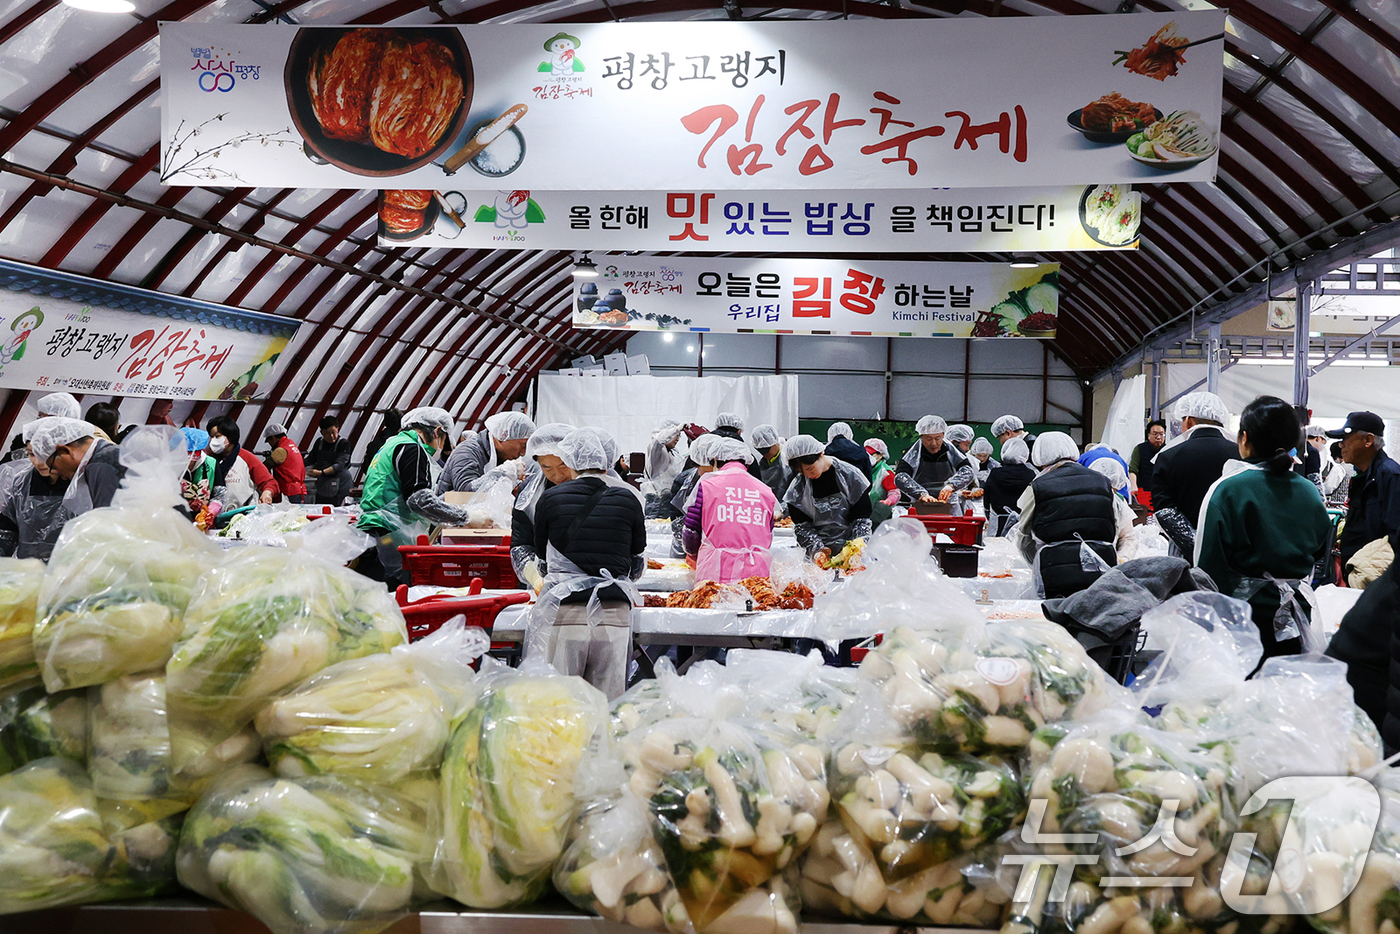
(70, 449)
(1008, 427)
(841, 444)
(1067, 508)
(961, 437)
(499, 451)
(932, 470)
(1374, 508)
(1185, 470)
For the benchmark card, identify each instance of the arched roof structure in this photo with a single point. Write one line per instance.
(1310, 160)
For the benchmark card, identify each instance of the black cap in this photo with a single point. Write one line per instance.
(1360, 421)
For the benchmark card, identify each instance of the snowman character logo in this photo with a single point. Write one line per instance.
(562, 60)
(23, 326)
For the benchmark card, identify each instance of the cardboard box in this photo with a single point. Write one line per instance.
(616, 364)
(638, 364)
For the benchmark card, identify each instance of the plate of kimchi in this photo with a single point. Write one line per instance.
(378, 101)
(1112, 118)
(406, 213)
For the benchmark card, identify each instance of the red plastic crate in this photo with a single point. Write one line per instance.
(963, 530)
(456, 565)
(858, 652)
(427, 616)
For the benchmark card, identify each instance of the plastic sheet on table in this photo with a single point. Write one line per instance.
(1015, 584)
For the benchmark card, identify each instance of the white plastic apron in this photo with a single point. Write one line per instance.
(390, 558)
(1291, 620)
(564, 579)
(78, 498)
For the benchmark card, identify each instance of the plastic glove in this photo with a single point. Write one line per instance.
(515, 468)
(533, 578)
(823, 558)
(927, 499)
(892, 499)
(945, 494)
(214, 508)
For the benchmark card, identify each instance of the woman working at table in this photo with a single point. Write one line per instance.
(829, 500)
(729, 525)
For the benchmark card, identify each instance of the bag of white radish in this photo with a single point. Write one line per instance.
(379, 718)
(121, 577)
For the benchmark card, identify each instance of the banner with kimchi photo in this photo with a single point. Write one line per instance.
(834, 105)
(952, 220)
(63, 331)
(875, 298)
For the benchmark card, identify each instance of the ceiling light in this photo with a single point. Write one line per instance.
(584, 268)
(690, 348)
(668, 337)
(1023, 261)
(102, 6)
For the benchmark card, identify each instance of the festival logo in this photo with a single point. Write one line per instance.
(23, 327)
(563, 62)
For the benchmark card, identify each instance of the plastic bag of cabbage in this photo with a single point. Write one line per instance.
(61, 845)
(19, 600)
(307, 856)
(35, 724)
(120, 578)
(507, 788)
(264, 621)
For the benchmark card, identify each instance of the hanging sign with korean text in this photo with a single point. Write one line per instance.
(63, 331)
(820, 296)
(992, 220)
(838, 105)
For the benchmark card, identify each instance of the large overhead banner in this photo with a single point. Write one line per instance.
(820, 296)
(1033, 101)
(62, 331)
(992, 220)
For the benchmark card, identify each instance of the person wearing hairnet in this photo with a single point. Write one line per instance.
(884, 492)
(773, 468)
(60, 405)
(829, 500)
(197, 484)
(729, 425)
(546, 471)
(729, 524)
(1184, 471)
(1104, 455)
(841, 444)
(983, 463)
(501, 445)
(1005, 484)
(1073, 526)
(69, 448)
(1112, 468)
(931, 470)
(240, 478)
(1008, 427)
(593, 537)
(398, 501)
(683, 488)
(662, 466)
(960, 437)
(286, 463)
(32, 511)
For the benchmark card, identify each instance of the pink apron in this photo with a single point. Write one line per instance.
(737, 524)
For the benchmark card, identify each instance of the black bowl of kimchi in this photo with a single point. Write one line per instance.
(378, 101)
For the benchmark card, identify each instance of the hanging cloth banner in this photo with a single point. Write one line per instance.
(839, 105)
(992, 220)
(743, 295)
(63, 331)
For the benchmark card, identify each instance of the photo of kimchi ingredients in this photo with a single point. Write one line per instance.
(1162, 55)
(1114, 113)
(378, 101)
(406, 211)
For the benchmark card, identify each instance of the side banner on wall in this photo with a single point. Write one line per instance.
(62, 331)
(992, 220)
(1034, 101)
(820, 296)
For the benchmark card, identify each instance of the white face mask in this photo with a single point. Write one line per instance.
(218, 445)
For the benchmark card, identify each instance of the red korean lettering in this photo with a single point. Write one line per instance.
(683, 204)
(901, 143)
(753, 151)
(805, 304)
(867, 289)
(701, 120)
(971, 132)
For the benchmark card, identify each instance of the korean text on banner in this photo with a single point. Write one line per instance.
(820, 296)
(899, 104)
(992, 220)
(63, 331)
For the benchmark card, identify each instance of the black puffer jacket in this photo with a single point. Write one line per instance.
(612, 536)
(1367, 643)
(847, 450)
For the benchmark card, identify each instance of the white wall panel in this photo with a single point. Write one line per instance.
(833, 395)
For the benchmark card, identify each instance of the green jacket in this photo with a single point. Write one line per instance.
(383, 505)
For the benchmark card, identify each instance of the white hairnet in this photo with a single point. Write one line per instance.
(983, 446)
(609, 443)
(1111, 469)
(582, 449)
(931, 425)
(667, 431)
(730, 449)
(959, 433)
(509, 426)
(839, 430)
(1317, 431)
(545, 441)
(878, 446)
(50, 432)
(1007, 423)
(27, 432)
(1203, 405)
(802, 446)
(765, 436)
(60, 405)
(1015, 451)
(274, 430)
(729, 420)
(701, 447)
(1052, 447)
(430, 417)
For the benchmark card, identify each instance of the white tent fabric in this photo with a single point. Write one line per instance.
(1123, 430)
(630, 407)
(1332, 393)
